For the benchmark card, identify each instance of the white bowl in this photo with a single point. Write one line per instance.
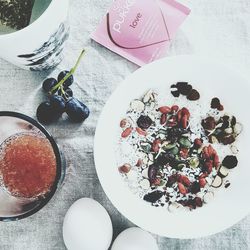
(211, 79)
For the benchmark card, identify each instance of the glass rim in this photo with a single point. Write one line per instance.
(57, 153)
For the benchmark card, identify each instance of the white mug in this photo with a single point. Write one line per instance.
(39, 45)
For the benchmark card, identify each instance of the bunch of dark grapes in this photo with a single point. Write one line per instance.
(61, 99)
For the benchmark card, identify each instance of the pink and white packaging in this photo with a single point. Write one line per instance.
(141, 30)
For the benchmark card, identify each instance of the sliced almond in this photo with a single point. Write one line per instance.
(149, 96)
(234, 149)
(145, 184)
(145, 173)
(217, 182)
(137, 105)
(223, 172)
(228, 131)
(238, 128)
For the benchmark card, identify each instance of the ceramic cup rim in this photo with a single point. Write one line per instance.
(8, 35)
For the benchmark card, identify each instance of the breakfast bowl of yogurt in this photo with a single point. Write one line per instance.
(171, 147)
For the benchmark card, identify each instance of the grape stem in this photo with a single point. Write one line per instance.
(63, 92)
(71, 72)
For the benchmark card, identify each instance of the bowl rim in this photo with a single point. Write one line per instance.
(58, 165)
(101, 151)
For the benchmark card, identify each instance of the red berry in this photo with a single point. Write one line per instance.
(164, 109)
(182, 188)
(202, 182)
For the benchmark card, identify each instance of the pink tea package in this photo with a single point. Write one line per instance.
(141, 30)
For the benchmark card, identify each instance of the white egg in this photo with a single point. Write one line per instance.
(87, 226)
(134, 238)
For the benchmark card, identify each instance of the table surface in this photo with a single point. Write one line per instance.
(220, 29)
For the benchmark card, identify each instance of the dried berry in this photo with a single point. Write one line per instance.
(125, 168)
(126, 132)
(225, 123)
(227, 139)
(184, 180)
(141, 131)
(184, 121)
(230, 161)
(164, 109)
(171, 180)
(179, 115)
(175, 93)
(205, 154)
(182, 188)
(227, 184)
(156, 182)
(139, 163)
(209, 123)
(184, 153)
(174, 108)
(156, 145)
(204, 175)
(194, 95)
(215, 103)
(233, 121)
(216, 160)
(221, 108)
(184, 88)
(198, 201)
(198, 143)
(185, 111)
(208, 166)
(152, 172)
(153, 197)
(195, 188)
(202, 182)
(163, 119)
(144, 122)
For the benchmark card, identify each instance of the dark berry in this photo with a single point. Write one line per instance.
(198, 201)
(153, 197)
(225, 118)
(171, 180)
(152, 172)
(227, 139)
(191, 203)
(194, 95)
(68, 82)
(76, 110)
(68, 92)
(48, 84)
(181, 84)
(57, 103)
(184, 88)
(175, 93)
(221, 108)
(230, 161)
(209, 123)
(195, 188)
(227, 184)
(45, 113)
(144, 122)
(215, 103)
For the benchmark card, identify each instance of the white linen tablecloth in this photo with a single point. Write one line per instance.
(215, 28)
